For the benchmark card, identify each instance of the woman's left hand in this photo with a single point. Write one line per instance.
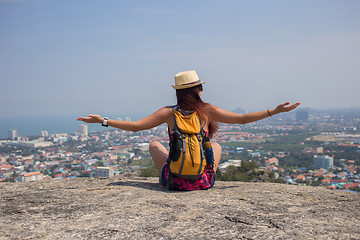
(92, 118)
(285, 107)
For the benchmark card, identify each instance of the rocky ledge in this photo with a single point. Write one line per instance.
(138, 208)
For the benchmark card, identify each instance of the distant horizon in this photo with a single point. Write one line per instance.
(32, 126)
(145, 113)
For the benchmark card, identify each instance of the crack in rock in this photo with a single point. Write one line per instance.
(237, 220)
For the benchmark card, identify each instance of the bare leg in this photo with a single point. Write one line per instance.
(217, 154)
(159, 154)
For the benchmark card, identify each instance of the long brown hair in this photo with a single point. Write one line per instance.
(189, 99)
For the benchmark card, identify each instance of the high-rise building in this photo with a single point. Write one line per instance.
(323, 161)
(302, 116)
(13, 134)
(44, 133)
(83, 129)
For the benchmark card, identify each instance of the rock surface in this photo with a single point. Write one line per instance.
(138, 208)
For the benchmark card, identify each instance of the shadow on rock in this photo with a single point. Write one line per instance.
(140, 184)
(224, 187)
(157, 186)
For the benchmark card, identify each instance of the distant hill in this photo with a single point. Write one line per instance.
(315, 111)
(332, 110)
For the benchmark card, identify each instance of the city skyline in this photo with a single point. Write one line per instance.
(327, 144)
(39, 126)
(75, 58)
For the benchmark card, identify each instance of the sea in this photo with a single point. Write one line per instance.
(32, 126)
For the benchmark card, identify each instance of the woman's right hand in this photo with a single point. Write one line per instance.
(92, 118)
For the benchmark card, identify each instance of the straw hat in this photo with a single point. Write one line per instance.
(186, 79)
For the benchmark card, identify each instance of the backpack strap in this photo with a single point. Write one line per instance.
(173, 108)
(202, 153)
(170, 181)
(176, 128)
(201, 136)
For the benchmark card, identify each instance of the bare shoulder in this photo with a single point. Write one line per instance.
(211, 109)
(165, 110)
(211, 112)
(165, 113)
(220, 115)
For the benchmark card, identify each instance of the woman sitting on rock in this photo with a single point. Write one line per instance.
(192, 160)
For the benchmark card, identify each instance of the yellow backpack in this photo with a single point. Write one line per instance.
(186, 157)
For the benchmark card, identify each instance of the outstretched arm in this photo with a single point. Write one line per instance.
(220, 115)
(157, 118)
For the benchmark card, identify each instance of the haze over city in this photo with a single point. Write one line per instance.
(78, 57)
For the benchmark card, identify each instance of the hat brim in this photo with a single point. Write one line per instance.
(188, 85)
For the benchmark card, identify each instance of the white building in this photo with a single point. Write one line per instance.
(44, 133)
(323, 161)
(223, 166)
(104, 172)
(36, 144)
(13, 134)
(31, 176)
(83, 130)
(143, 146)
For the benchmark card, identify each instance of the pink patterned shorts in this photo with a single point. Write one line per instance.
(206, 180)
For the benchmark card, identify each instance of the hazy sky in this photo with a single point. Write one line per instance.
(80, 57)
